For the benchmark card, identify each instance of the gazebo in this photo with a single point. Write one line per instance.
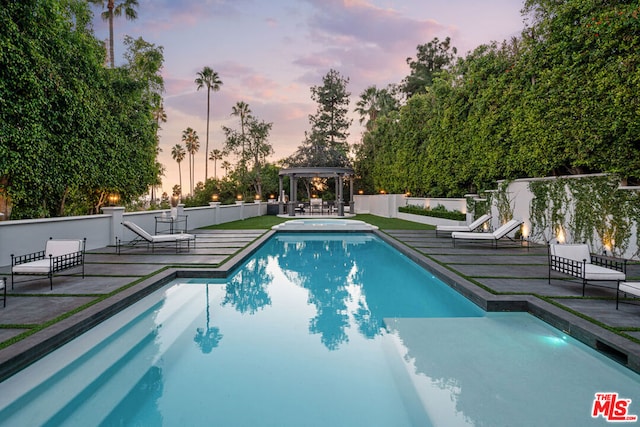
(340, 174)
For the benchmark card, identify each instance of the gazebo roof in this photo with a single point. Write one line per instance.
(310, 172)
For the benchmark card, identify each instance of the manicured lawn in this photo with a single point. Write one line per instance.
(268, 221)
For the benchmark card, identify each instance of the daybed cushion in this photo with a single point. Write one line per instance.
(576, 252)
(42, 266)
(630, 288)
(595, 272)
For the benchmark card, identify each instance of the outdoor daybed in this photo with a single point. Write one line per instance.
(180, 240)
(632, 288)
(576, 260)
(58, 255)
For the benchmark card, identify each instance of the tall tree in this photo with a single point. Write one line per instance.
(326, 143)
(242, 110)
(128, 7)
(250, 144)
(215, 155)
(209, 79)
(432, 58)
(192, 144)
(144, 61)
(178, 153)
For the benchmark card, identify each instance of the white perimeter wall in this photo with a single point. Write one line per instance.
(386, 205)
(26, 236)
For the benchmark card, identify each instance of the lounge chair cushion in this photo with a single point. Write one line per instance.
(470, 227)
(159, 238)
(472, 235)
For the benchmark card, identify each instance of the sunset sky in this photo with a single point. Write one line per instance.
(269, 53)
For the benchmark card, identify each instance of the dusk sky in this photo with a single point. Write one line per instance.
(269, 53)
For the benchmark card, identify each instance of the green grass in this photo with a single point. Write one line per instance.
(393, 223)
(267, 221)
(255, 223)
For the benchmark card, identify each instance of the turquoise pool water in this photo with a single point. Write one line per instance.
(316, 330)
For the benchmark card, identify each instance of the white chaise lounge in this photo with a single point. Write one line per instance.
(58, 255)
(467, 227)
(180, 240)
(501, 232)
(576, 260)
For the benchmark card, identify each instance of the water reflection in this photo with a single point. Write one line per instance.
(208, 337)
(326, 267)
(246, 291)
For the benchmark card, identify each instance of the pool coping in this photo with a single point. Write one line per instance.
(26, 351)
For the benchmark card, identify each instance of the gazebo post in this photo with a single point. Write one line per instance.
(280, 196)
(292, 194)
(351, 202)
(340, 198)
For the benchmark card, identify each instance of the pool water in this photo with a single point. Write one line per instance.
(316, 330)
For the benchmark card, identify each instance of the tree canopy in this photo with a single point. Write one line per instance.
(326, 143)
(560, 99)
(71, 130)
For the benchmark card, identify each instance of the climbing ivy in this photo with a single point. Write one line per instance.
(548, 207)
(503, 203)
(587, 209)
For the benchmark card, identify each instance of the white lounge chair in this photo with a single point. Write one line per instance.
(499, 233)
(467, 227)
(576, 260)
(58, 255)
(158, 239)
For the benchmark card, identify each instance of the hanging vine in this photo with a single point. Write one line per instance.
(548, 209)
(588, 209)
(503, 203)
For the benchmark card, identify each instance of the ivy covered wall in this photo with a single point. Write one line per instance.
(574, 209)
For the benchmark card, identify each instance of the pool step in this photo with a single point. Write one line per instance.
(107, 360)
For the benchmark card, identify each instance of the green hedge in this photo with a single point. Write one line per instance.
(438, 212)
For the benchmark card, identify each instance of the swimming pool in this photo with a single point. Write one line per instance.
(320, 329)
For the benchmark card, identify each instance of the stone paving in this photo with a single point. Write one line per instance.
(514, 269)
(510, 272)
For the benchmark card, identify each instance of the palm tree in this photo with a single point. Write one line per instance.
(192, 144)
(226, 166)
(178, 154)
(373, 103)
(241, 109)
(126, 6)
(215, 155)
(209, 79)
